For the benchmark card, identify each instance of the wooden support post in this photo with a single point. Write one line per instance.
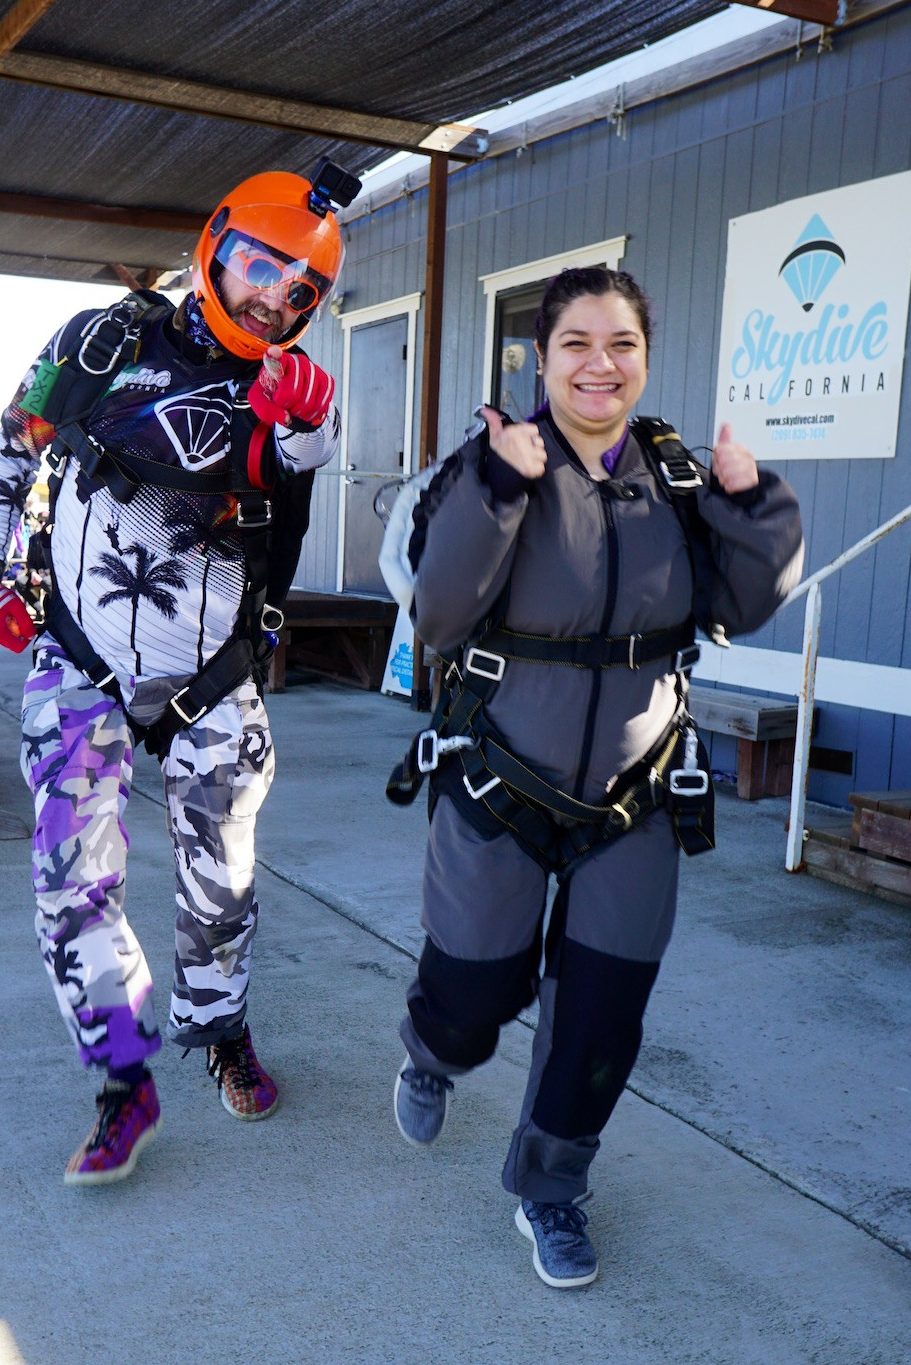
(430, 382)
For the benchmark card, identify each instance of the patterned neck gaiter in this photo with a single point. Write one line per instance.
(197, 329)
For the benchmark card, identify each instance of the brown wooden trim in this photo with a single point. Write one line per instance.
(240, 106)
(72, 210)
(433, 310)
(813, 11)
(18, 19)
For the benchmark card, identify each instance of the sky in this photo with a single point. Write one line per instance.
(31, 311)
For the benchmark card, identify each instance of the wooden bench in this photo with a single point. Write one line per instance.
(765, 729)
(335, 635)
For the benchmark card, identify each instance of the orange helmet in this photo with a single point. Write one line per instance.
(273, 234)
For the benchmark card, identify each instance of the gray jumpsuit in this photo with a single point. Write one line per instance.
(576, 559)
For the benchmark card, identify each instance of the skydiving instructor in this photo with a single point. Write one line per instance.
(179, 440)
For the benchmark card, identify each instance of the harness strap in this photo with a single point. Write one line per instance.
(556, 846)
(680, 473)
(587, 651)
(484, 668)
(59, 623)
(125, 474)
(228, 668)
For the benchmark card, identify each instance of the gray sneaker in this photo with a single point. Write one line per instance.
(563, 1256)
(421, 1103)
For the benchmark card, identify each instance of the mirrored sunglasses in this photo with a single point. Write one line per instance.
(262, 267)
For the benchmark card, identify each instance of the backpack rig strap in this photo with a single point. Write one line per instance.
(680, 473)
(458, 717)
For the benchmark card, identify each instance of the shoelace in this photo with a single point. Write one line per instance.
(110, 1102)
(559, 1218)
(424, 1080)
(234, 1054)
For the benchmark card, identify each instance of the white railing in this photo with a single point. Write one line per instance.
(807, 694)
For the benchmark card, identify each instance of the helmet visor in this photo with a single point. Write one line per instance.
(262, 267)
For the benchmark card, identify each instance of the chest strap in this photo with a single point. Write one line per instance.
(124, 474)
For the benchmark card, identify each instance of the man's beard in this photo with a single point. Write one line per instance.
(263, 314)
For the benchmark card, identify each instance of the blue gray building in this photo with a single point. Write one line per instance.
(649, 175)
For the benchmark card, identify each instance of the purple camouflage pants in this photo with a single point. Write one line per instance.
(77, 758)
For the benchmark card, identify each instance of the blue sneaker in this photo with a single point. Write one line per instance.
(421, 1103)
(563, 1256)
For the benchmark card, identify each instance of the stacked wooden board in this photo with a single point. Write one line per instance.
(871, 850)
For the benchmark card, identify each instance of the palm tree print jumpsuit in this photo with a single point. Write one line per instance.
(155, 585)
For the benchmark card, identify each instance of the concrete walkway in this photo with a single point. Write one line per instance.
(749, 1203)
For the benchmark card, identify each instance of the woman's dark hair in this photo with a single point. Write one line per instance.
(589, 279)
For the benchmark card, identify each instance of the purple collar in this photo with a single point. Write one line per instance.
(610, 457)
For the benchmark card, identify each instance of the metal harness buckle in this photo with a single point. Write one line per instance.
(56, 459)
(471, 664)
(635, 645)
(122, 314)
(430, 746)
(477, 792)
(688, 478)
(690, 780)
(452, 672)
(175, 702)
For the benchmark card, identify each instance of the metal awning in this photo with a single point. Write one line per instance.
(124, 122)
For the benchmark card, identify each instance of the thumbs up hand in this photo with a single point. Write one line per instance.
(732, 464)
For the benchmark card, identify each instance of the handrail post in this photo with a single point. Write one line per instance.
(805, 707)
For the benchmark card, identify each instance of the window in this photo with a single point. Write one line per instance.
(516, 386)
(513, 297)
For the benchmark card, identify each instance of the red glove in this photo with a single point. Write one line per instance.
(17, 630)
(289, 386)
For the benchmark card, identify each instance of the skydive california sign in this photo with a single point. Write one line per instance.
(814, 323)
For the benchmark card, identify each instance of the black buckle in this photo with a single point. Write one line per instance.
(686, 658)
(682, 474)
(255, 522)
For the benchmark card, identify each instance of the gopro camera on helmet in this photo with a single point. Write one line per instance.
(333, 186)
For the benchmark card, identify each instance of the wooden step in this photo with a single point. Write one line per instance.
(829, 853)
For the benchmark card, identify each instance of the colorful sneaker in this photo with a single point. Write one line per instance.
(421, 1103)
(246, 1090)
(563, 1256)
(128, 1119)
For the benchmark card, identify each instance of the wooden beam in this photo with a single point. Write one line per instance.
(18, 19)
(433, 310)
(430, 383)
(125, 275)
(827, 12)
(74, 210)
(191, 97)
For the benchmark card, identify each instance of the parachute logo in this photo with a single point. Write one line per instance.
(197, 428)
(813, 264)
